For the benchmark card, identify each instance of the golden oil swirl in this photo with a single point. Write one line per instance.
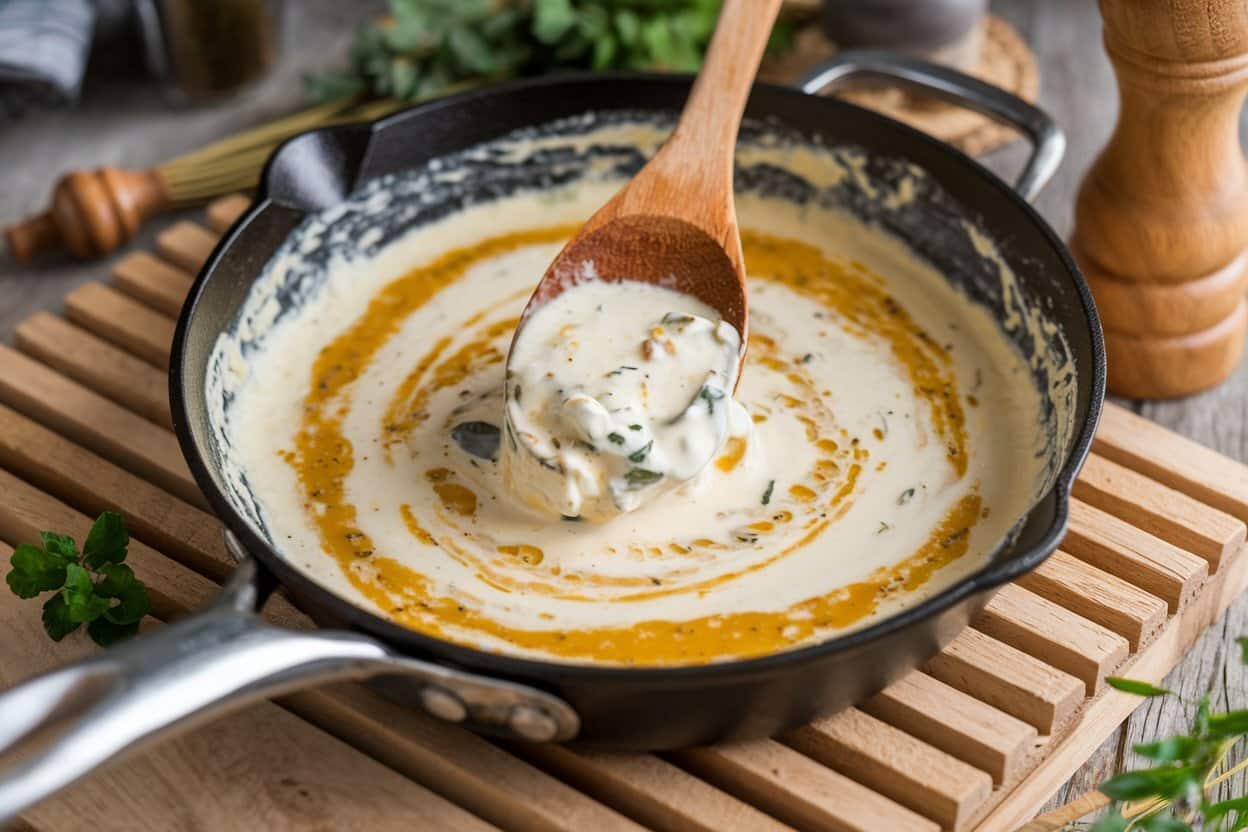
(445, 519)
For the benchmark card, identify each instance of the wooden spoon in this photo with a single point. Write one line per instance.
(675, 223)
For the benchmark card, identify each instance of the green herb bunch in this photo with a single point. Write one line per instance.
(91, 587)
(427, 47)
(1172, 794)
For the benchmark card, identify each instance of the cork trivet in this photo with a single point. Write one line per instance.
(1004, 61)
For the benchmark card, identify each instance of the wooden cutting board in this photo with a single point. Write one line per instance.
(977, 739)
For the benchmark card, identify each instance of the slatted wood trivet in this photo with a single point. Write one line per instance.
(978, 739)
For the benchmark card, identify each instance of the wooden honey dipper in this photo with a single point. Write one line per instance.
(1161, 221)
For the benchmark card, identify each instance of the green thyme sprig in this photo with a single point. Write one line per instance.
(427, 47)
(1173, 793)
(92, 587)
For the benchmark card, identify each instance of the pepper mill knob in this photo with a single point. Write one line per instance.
(92, 213)
(1161, 220)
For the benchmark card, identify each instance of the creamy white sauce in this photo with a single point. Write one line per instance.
(616, 393)
(645, 565)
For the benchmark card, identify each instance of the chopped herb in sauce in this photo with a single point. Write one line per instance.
(640, 477)
(634, 427)
(676, 318)
(771, 486)
(883, 528)
(641, 453)
(710, 395)
(616, 438)
(477, 438)
(620, 370)
(805, 359)
(906, 496)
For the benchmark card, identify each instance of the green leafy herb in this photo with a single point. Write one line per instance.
(619, 371)
(93, 588)
(641, 453)
(477, 438)
(428, 47)
(640, 478)
(634, 427)
(906, 496)
(771, 486)
(1170, 794)
(710, 395)
(676, 318)
(616, 438)
(1132, 686)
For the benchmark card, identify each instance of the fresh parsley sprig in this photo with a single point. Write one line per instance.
(92, 587)
(427, 47)
(1173, 793)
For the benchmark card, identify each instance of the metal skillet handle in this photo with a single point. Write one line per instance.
(218, 660)
(1047, 140)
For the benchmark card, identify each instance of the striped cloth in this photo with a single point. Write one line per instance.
(43, 51)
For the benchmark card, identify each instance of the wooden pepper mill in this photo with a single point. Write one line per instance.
(1161, 222)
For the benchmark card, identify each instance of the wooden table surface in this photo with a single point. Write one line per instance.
(123, 121)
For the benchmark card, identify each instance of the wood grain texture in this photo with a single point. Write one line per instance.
(1169, 514)
(95, 422)
(948, 719)
(186, 245)
(798, 790)
(1139, 558)
(1054, 634)
(223, 212)
(93, 362)
(898, 766)
(1008, 679)
(153, 281)
(122, 320)
(1098, 596)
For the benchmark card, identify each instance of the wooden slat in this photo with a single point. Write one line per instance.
(186, 245)
(648, 789)
(1098, 596)
(89, 360)
(296, 776)
(92, 484)
(1159, 510)
(957, 723)
(1008, 679)
(455, 763)
(1173, 460)
(1139, 558)
(1053, 634)
(153, 281)
(96, 423)
(222, 213)
(798, 790)
(124, 321)
(898, 766)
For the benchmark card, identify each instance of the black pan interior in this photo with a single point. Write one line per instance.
(321, 170)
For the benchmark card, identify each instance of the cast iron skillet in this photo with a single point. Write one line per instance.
(226, 655)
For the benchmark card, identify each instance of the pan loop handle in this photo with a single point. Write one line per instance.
(216, 661)
(1047, 140)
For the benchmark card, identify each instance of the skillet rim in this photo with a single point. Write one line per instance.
(997, 570)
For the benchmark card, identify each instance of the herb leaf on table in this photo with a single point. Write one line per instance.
(93, 587)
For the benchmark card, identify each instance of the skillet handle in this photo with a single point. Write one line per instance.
(1047, 140)
(216, 661)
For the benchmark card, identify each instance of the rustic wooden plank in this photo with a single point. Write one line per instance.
(91, 361)
(895, 764)
(1159, 510)
(1008, 679)
(186, 244)
(96, 423)
(221, 213)
(296, 776)
(123, 321)
(1163, 455)
(1053, 634)
(454, 762)
(1098, 596)
(959, 724)
(92, 484)
(1139, 558)
(152, 281)
(648, 789)
(798, 790)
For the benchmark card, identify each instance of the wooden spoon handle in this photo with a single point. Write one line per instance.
(707, 133)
